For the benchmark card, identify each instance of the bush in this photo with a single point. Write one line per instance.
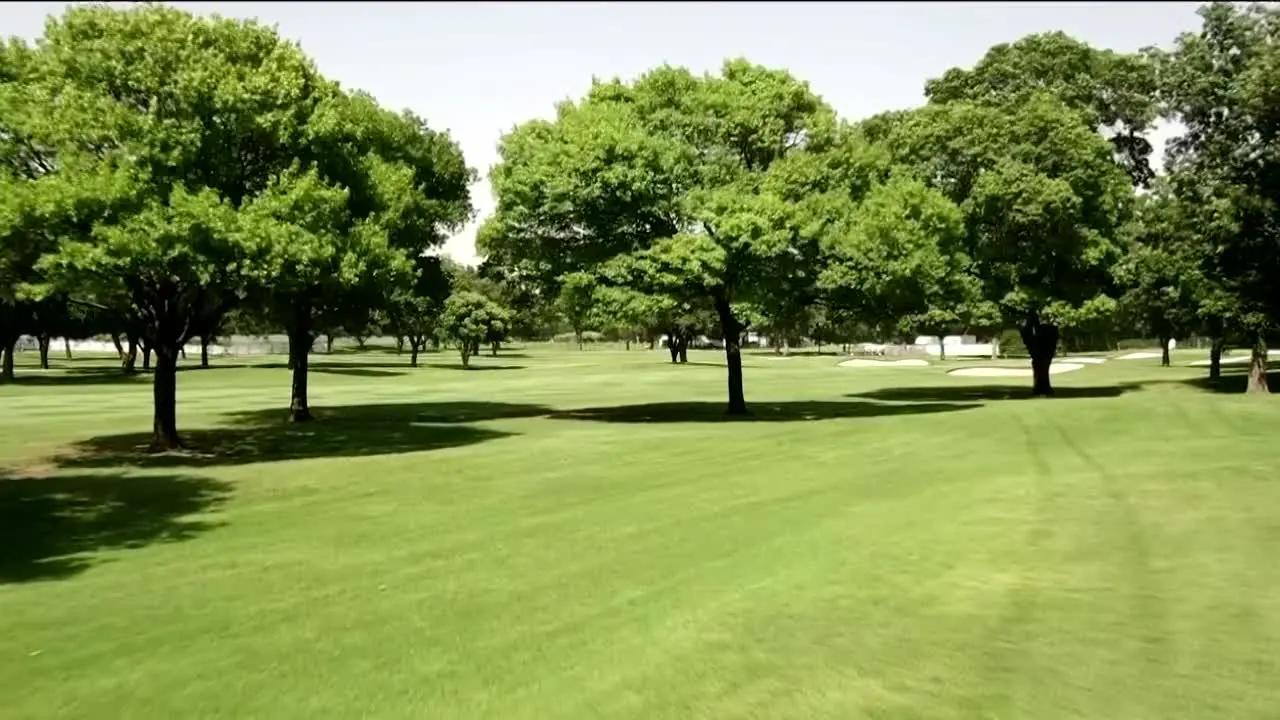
(1011, 344)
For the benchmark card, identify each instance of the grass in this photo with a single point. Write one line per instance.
(585, 535)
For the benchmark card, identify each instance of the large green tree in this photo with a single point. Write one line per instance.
(188, 118)
(679, 171)
(1223, 84)
(1043, 203)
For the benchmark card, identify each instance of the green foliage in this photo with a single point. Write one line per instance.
(470, 320)
(1011, 345)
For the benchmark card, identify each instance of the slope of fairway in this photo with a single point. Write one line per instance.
(562, 534)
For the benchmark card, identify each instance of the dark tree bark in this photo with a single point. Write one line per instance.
(399, 344)
(115, 340)
(129, 363)
(1258, 366)
(66, 346)
(43, 340)
(146, 357)
(413, 353)
(673, 347)
(300, 339)
(464, 348)
(684, 349)
(204, 351)
(1042, 342)
(628, 344)
(653, 343)
(1164, 351)
(328, 343)
(6, 361)
(164, 426)
(1215, 358)
(942, 348)
(733, 357)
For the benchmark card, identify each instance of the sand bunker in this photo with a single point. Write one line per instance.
(1054, 369)
(863, 363)
(1140, 356)
(1080, 360)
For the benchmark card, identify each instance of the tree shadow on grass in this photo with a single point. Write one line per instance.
(346, 431)
(978, 393)
(705, 412)
(360, 372)
(50, 527)
(1234, 380)
(474, 366)
(79, 376)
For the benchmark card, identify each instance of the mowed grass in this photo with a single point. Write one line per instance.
(563, 534)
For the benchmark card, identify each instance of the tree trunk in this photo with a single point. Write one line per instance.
(400, 344)
(942, 348)
(413, 354)
(578, 336)
(43, 340)
(786, 345)
(164, 386)
(300, 340)
(627, 345)
(465, 349)
(1215, 358)
(146, 357)
(493, 349)
(1164, 352)
(66, 346)
(328, 343)
(6, 361)
(1042, 342)
(733, 357)
(182, 350)
(129, 364)
(204, 351)
(1258, 366)
(115, 340)
(673, 347)
(684, 349)
(653, 343)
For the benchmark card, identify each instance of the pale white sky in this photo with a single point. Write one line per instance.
(480, 68)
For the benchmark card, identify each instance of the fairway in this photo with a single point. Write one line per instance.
(559, 534)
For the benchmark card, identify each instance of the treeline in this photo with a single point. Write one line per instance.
(165, 177)
(1021, 195)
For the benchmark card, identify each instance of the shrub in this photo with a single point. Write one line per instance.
(1137, 344)
(1011, 344)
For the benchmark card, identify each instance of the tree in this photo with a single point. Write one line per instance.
(373, 189)
(471, 319)
(900, 259)
(1043, 201)
(1222, 85)
(176, 155)
(1159, 273)
(415, 310)
(682, 173)
(574, 301)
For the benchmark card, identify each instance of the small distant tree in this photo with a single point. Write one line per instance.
(575, 302)
(414, 313)
(470, 319)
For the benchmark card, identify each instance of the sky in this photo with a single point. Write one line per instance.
(480, 68)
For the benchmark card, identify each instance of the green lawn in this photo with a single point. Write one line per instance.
(561, 534)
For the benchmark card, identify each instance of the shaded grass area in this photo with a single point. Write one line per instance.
(591, 536)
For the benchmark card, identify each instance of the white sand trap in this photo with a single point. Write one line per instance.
(1054, 369)
(1139, 356)
(1080, 360)
(862, 363)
